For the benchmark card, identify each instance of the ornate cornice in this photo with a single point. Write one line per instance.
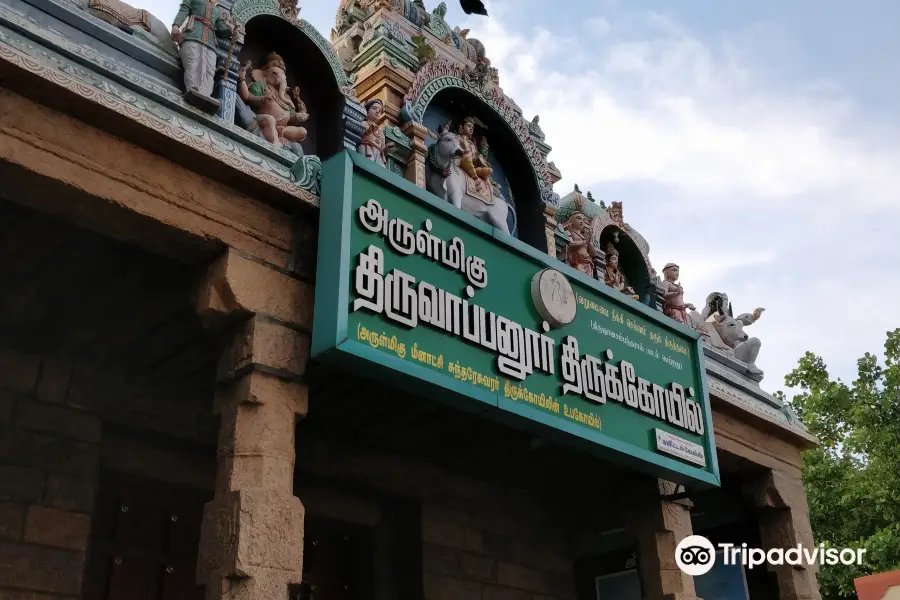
(28, 57)
(438, 75)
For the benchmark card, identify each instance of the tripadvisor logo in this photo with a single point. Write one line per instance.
(696, 555)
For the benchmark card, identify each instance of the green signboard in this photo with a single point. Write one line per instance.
(416, 292)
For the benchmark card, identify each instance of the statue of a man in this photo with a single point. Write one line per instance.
(613, 277)
(473, 163)
(195, 29)
(278, 115)
(580, 252)
(674, 306)
(372, 144)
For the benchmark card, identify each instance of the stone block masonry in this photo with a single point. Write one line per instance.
(49, 458)
(473, 554)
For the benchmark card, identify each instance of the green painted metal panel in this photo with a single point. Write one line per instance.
(408, 345)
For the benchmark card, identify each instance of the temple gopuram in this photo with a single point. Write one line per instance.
(298, 314)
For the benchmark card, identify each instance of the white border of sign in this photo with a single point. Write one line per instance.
(668, 443)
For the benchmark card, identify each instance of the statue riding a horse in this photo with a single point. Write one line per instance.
(446, 179)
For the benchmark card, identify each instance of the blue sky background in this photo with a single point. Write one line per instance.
(757, 144)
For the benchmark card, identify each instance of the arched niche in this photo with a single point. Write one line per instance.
(633, 262)
(444, 91)
(311, 65)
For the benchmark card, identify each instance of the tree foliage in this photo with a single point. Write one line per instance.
(852, 479)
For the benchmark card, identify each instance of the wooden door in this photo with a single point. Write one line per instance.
(144, 542)
(338, 562)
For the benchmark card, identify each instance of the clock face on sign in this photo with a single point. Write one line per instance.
(553, 297)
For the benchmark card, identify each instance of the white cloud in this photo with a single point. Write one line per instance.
(672, 109)
(754, 184)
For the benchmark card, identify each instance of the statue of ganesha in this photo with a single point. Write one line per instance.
(278, 116)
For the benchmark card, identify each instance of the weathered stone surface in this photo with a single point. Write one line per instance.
(783, 523)
(247, 529)
(439, 587)
(67, 422)
(18, 371)
(237, 285)
(58, 528)
(48, 452)
(11, 518)
(20, 484)
(252, 532)
(523, 578)
(107, 183)
(540, 557)
(444, 527)
(55, 377)
(494, 592)
(260, 343)
(477, 568)
(659, 526)
(70, 493)
(7, 401)
(497, 545)
(440, 560)
(60, 570)
(22, 595)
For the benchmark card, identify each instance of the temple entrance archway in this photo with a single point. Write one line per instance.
(513, 170)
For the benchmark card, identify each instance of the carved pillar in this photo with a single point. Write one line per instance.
(550, 226)
(415, 168)
(251, 543)
(353, 116)
(659, 525)
(780, 502)
(226, 84)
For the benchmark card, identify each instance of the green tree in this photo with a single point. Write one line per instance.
(852, 480)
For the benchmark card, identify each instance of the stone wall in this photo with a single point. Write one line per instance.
(480, 540)
(478, 553)
(49, 457)
(53, 446)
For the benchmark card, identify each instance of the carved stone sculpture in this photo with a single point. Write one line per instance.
(612, 276)
(580, 251)
(475, 165)
(195, 29)
(278, 115)
(726, 333)
(373, 145)
(446, 179)
(674, 306)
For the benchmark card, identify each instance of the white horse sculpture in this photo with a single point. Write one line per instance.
(445, 179)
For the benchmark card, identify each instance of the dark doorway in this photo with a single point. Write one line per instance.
(337, 562)
(144, 541)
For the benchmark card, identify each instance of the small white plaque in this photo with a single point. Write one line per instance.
(553, 297)
(680, 448)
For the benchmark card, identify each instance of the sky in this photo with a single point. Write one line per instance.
(756, 144)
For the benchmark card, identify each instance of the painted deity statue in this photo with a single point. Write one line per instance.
(196, 27)
(278, 115)
(674, 306)
(613, 277)
(475, 165)
(372, 144)
(580, 252)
